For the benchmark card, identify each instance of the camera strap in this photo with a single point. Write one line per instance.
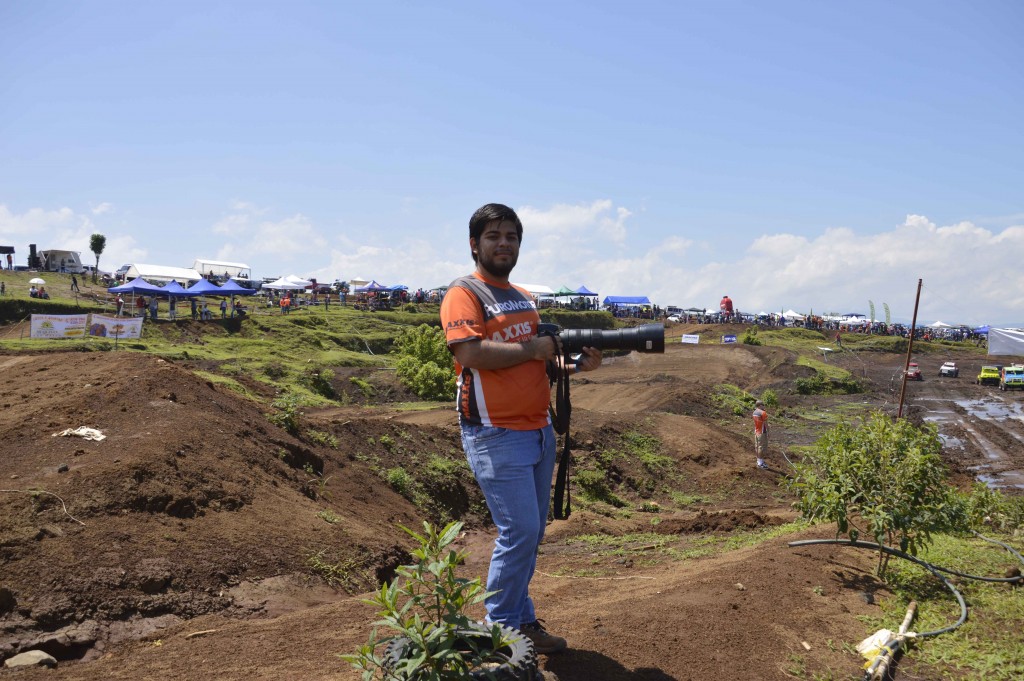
(560, 415)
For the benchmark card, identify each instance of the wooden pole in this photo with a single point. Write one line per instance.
(910, 349)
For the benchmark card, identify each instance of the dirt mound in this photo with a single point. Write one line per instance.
(196, 514)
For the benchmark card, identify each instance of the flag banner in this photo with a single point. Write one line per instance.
(58, 325)
(728, 339)
(115, 327)
(691, 338)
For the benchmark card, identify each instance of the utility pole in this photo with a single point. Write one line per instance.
(910, 349)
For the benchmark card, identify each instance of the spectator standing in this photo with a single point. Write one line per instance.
(491, 328)
(153, 307)
(725, 307)
(760, 433)
(120, 304)
(3, 288)
(195, 309)
(172, 308)
(140, 307)
(223, 308)
(74, 283)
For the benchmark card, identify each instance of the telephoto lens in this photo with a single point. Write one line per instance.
(646, 338)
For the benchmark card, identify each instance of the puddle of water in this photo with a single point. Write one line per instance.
(991, 408)
(1013, 479)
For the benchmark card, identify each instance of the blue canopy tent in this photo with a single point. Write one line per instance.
(982, 329)
(232, 287)
(584, 291)
(174, 289)
(626, 300)
(205, 287)
(136, 285)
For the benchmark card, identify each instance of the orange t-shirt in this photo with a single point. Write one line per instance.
(760, 420)
(516, 397)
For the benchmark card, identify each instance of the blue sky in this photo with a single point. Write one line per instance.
(801, 155)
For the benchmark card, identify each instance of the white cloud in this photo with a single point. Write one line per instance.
(971, 274)
(102, 208)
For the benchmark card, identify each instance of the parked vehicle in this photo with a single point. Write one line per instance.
(675, 318)
(1012, 377)
(914, 372)
(949, 369)
(989, 375)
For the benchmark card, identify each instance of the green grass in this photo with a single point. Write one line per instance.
(989, 645)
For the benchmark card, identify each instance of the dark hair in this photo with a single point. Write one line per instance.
(489, 213)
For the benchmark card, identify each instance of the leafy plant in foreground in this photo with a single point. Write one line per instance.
(885, 479)
(426, 604)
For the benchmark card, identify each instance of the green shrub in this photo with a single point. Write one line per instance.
(820, 384)
(593, 486)
(288, 416)
(770, 399)
(425, 364)
(318, 379)
(885, 479)
(401, 481)
(750, 337)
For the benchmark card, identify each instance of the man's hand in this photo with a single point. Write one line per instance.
(590, 360)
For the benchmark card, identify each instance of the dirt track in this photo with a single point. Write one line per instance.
(196, 514)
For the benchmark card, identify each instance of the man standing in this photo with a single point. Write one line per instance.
(503, 396)
(74, 283)
(760, 433)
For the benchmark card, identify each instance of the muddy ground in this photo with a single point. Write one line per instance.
(180, 546)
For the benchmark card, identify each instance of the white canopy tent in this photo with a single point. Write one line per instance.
(219, 267)
(792, 314)
(940, 325)
(1006, 342)
(152, 273)
(288, 283)
(538, 290)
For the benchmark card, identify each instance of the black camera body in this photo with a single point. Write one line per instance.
(646, 338)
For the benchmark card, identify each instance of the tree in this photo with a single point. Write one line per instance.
(97, 242)
(885, 478)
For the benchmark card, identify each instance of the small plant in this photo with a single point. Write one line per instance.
(401, 481)
(750, 337)
(364, 386)
(318, 379)
(321, 438)
(332, 573)
(885, 479)
(328, 516)
(288, 415)
(770, 399)
(425, 607)
(386, 441)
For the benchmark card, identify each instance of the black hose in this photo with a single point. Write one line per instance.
(893, 645)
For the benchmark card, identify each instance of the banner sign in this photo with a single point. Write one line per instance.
(115, 327)
(58, 325)
(728, 339)
(691, 338)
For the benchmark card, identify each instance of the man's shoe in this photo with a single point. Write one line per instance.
(762, 465)
(543, 642)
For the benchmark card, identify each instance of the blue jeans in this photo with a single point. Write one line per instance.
(513, 469)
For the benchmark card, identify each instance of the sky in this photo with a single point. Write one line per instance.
(815, 156)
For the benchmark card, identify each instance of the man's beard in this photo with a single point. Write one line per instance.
(499, 271)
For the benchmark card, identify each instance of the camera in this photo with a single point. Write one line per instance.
(646, 338)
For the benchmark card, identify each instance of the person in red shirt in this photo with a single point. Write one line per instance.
(760, 433)
(503, 396)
